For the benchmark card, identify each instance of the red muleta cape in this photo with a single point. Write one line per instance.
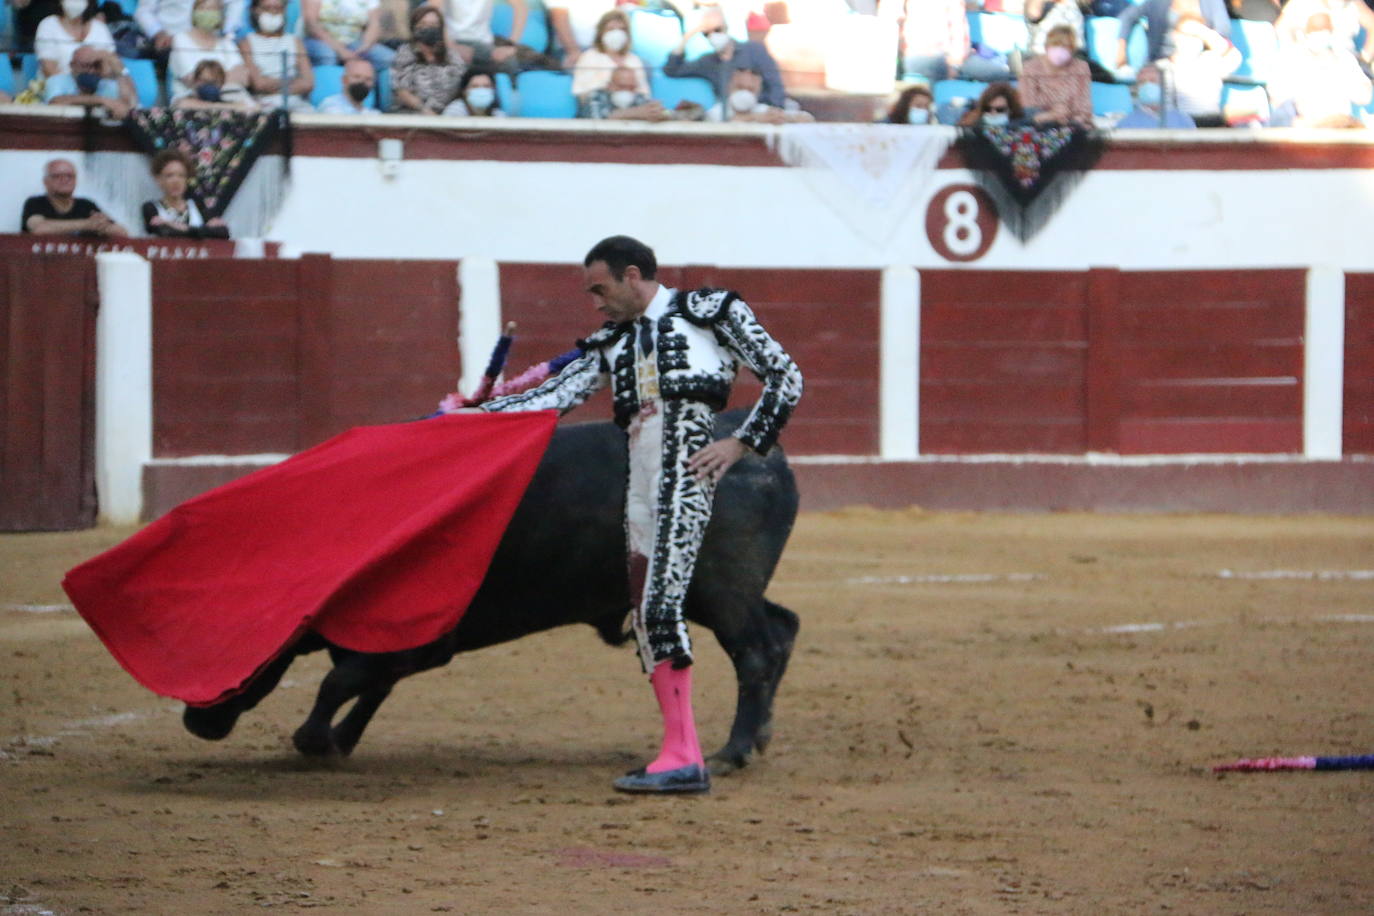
(376, 539)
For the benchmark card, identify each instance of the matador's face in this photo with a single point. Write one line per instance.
(618, 300)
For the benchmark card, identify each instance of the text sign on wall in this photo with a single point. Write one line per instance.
(961, 222)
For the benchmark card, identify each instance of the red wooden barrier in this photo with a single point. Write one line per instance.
(47, 417)
(276, 356)
(1358, 425)
(1139, 362)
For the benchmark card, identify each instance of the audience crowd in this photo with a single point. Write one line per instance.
(1157, 63)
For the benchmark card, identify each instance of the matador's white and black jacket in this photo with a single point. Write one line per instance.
(701, 341)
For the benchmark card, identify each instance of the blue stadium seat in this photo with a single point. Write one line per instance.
(506, 94)
(546, 94)
(28, 67)
(383, 91)
(329, 81)
(536, 34)
(144, 76)
(1002, 32)
(653, 36)
(671, 90)
(1111, 98)
(1101, 35)
(6, 77)
(1246, 98)
(948, 90)
(1258, 45)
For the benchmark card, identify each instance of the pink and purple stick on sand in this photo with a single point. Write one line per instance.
(1262, 764)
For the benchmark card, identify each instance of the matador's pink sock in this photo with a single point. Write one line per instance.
(673, 688)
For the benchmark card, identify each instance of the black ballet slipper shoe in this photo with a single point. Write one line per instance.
(692, 779)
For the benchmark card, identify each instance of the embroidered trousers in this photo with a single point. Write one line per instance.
(666, 512)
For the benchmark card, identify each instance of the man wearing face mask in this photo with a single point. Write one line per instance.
(95, 79)
(1315, 83)
(1150, 103)
(726, 57)
(742, 103)
(1201, 61)
(358, 81)
(621, 100)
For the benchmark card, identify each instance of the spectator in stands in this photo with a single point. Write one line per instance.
(1159, 16)
(1315, 84)
(936, 44)
(1348, 17)
(998, 106)
(174, 213)
(726, 57)
(62, 33)
(621, 100)
(210, 91)
(336, 31)
(742, 102)
(279, 73)
(574, 23)
(359, 79)
(94, 79)
(1256, 10)
(163, 20)
(469, 26)
(59, 212)
(1056, 85)
(1043, 16)
(916, 106)
(425, 75)
(203, 41)
(477, 96)
(1201, 61)
(1150, 103)
(610, 51)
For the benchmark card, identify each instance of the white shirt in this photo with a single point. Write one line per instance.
(469, 21)
(51, 42)
(173, 16)
(186, 54)
(274, 55)
(583, 16)
(342, 104)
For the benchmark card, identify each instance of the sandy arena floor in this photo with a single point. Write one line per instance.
(961, 731)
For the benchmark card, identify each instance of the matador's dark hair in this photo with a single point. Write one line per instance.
(619, 252)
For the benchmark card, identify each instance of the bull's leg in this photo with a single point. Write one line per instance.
(759, 643)
(215, 722)
(350, 677)
(348, 731)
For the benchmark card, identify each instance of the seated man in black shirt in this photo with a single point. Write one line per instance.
(58, 212)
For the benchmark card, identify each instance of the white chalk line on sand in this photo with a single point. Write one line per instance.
(78, 727)
(38, 608)
(946, 578)
(1131, 628)
(1321, 575)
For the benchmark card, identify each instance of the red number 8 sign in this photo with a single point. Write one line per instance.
(961, 222)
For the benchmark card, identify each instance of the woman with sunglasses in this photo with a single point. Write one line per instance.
(998, 106)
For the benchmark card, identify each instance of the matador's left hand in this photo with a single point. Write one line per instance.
(715, 459)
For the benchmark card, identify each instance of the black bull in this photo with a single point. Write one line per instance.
(562, 561)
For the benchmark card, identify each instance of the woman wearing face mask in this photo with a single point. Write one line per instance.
(477, 96)
(425, 76)
(609, 50)
(914, 106)
(62, 33)
(1057, 85)
(175, 213)
(998, 106)
(204, 41)
(1043, 16)
(279, 73)
(210, 92)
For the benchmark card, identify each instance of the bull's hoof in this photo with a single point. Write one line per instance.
(313, 742)
(727, 760)
(208, 723)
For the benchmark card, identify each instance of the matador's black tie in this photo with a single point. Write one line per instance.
(646, 335)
